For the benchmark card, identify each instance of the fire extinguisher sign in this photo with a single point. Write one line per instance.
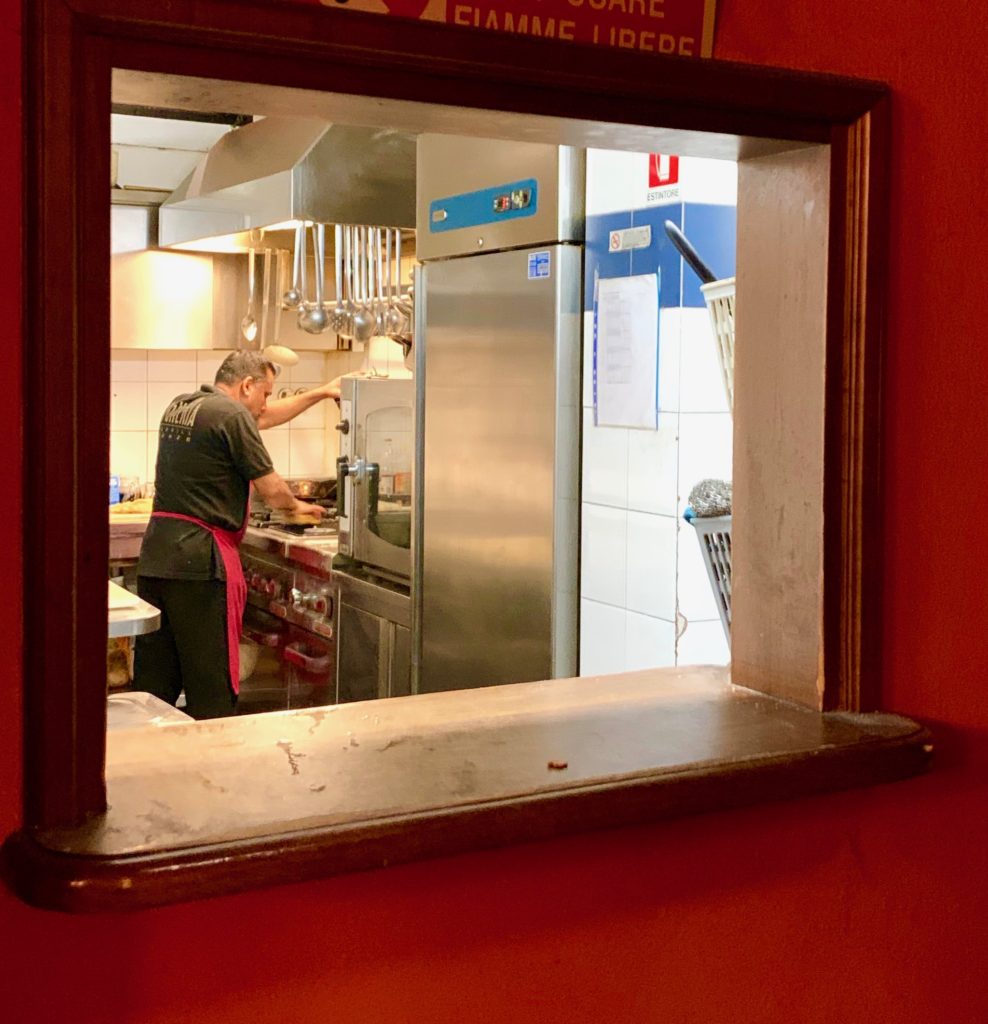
(663, 178)
(662, 170)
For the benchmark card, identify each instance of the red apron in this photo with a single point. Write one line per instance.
(228, 542)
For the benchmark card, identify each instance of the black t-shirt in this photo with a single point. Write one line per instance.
(209, 450)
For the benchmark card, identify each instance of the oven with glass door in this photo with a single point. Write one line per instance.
(374, 474)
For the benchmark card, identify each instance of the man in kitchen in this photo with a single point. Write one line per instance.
(210, 455)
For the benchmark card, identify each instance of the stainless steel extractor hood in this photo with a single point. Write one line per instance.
(263, 177)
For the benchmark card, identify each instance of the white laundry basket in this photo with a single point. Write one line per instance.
(719, 297)
(714, 535)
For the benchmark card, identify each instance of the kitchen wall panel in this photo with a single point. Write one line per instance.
(660, 582)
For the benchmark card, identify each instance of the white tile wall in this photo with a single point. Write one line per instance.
(173, 367)
(128, 405)
(616, 181)
(649, 642)
(127, 365)
(696, 596)
(602, 638)
(703, 643)
(651, 565)
(144, 383)
(279, 448)
(635, 482)
(605, 463)
(705, 440)
(128, 453)
(670, 345)
(307, 454)
(708, 181)
(653, 467)
(604, 550)
(701, 385)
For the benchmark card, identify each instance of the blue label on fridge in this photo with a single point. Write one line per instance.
(485, 206)
(538, 265)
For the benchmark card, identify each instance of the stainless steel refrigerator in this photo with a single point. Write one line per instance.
(498, 302)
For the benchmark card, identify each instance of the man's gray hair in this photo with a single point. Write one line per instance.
(241, 364)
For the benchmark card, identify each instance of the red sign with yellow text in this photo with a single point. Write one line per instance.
(681, 27)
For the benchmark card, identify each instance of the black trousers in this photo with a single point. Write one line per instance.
(189, 651)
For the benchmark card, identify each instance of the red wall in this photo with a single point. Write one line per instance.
(868, 906)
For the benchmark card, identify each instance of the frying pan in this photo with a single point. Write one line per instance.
(686, 250)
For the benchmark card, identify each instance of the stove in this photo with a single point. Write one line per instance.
(263, 518)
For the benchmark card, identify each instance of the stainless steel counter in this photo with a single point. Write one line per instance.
(128, 614)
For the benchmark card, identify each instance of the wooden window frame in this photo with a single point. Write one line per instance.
(72, 47)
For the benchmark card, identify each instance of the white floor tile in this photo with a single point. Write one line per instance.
(650, 643)
(602, 639)
(605, 463)
(603, 554)
(651, 574)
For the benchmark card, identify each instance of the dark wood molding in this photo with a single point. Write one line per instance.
(71, 46)
(856, 301)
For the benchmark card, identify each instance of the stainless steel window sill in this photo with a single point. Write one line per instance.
(210, 808)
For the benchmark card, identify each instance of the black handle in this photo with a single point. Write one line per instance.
(373, 471)
(342, 470)
(692, 257)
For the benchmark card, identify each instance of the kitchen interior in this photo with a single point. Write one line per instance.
(506, 497)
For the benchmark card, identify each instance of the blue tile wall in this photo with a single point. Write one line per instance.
(712, 229)
(596, 258)
(713, 232)
(661, 253)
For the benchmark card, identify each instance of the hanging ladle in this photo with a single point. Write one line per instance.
(363, 318)
(313, 318)
(338, 315)
(292, 299)
(248, 326)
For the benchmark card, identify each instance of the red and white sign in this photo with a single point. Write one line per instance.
(681, 27)
(662, 170)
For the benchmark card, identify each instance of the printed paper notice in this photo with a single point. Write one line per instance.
(626, 352)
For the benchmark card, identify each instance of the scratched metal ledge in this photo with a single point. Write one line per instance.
(217, 807)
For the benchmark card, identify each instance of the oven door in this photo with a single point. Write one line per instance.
(262, 668)
(309, 663)
(283, 666)
(376, 469)
(374, 637)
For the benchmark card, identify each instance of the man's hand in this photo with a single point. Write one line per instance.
(303, 508)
